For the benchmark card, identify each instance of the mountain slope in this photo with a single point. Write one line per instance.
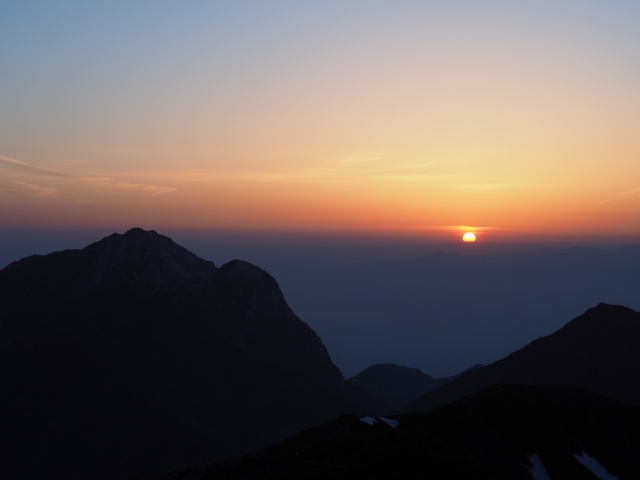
(597, 351)
(393, 385)
(134, 356)
(503, 432)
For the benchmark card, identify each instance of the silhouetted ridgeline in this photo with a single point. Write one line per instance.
(395, 386)
(134, 356)
(506, 432)
(392, 384)
(597, 350)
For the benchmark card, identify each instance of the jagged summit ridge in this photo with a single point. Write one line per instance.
(137, 256)
(148, 257)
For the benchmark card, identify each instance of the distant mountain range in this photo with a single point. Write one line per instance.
(445, 311)
(485, 423)
(134, 356)
(395, 386)
(596, 351)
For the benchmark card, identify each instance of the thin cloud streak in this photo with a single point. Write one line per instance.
(37, 190)
(27, 167)
(363, 166)
(144, 187)
(466, 228)
(107, 182)
(120, 185)
(488, 187)
(623, 195)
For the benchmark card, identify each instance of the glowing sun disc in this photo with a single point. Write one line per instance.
(468, 237)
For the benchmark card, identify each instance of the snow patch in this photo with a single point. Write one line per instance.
(393, 423)
(538, 472)
(595, 466)
(369, 420)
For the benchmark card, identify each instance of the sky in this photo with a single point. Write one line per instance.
(423, 119)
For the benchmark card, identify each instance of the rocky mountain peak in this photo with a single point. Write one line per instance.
(148, 258)
(604, 313)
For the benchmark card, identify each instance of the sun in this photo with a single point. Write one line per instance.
(468, 237)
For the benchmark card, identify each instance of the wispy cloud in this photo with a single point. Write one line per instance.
(463, 228)
(385, 165)
(144, 187)
(28, 188)
(34, 169)
(120, 185)
(362, 159)
(622, 195)
(488, 187)
(106, 182)
(35, 190)
(376, 166)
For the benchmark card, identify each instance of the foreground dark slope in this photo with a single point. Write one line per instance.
(497, 434)
(597, 351)
(134, 356)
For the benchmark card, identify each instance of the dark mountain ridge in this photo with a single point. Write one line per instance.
(596, 351)
(392, 384)
(395, 386)
(505, 432)
(135, 356)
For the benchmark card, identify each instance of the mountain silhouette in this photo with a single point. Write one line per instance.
(505, 432)
(597, 351)
(395, 386)
(133, 356)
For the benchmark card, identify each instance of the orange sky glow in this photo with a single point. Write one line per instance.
(514, 122)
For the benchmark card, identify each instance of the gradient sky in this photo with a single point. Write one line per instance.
(517, 119)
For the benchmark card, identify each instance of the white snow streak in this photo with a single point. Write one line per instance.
(393, 423)
(369, 420)
(595, 466)
(538, 472)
